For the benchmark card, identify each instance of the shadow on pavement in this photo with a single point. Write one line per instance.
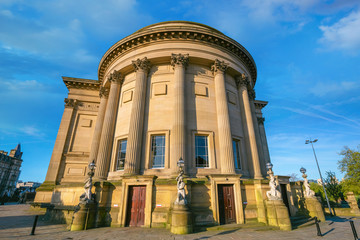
(218, 234)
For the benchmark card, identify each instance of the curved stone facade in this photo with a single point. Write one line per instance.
(171, 90)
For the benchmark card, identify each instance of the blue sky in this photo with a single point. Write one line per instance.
(307, 54)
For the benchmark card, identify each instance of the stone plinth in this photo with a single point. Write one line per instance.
(353, 203)
(86, 216)
(315, 209)
(181, 222)
(277, 214)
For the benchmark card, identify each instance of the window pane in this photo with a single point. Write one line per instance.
(201, 151)
(158, 151)
(236, 154)
(121, 154)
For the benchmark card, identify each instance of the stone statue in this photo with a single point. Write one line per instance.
(308, 192)
(181, 196)
(87, 196)
(273, 194)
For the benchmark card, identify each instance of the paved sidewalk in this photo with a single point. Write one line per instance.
(16, 223)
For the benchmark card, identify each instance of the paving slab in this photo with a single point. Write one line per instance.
(16, 223)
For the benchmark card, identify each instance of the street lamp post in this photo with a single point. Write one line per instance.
(322, 181)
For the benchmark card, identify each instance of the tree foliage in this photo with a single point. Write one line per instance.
(333, 188)
(350, 165)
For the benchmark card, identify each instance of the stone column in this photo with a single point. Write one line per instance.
(179, 62)
(58, 151)
(107, 134)
(264, 144)
(134, 142)
(222, 111)
(104, 94)
(242, 85)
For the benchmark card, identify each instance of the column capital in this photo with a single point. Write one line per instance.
(261, 120)
(70, 103)
(116, 77)
(104, 92)
(252, 94)
(179, 59)
(219, 66)
(242, 81)
(141, 64)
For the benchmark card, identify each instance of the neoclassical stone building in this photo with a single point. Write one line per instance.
(170, 90)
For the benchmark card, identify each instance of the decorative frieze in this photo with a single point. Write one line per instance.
(179, 59)
(86, 106)
(219, 66)
(141, 64)
(104, 92)
(252, 94)
(141, 38)
(261, 120)
(116, 77)
(70, 103)
(81, 83)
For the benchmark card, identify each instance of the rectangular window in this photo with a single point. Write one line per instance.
(158, 151)
(121, 154)
(236, 147)
(201, 151)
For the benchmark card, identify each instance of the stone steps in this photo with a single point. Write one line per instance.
(301, 222)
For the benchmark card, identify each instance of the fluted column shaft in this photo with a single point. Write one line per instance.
(107, 135)
(134, 142)
(250, 127)
(179, 62)
(222, 111)
(104, 94)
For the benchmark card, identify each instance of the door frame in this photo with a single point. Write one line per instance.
(147, 181)
(227, 180)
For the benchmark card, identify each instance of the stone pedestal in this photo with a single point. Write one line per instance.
(315, 209)
(181, 222)
(353, 203)
(86, 216)
(277, 214)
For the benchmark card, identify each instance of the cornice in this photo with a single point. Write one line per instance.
(81, 83)
(187, 32)
(260, 104)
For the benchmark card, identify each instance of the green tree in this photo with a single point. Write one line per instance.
(333, 187)
(350, 165)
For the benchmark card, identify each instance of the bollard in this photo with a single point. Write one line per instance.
(353, 229)
(34, 225)
(318, 227)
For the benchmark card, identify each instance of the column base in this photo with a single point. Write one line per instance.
(84, 218)
(181, 222)
(278, 215)
(315, 209)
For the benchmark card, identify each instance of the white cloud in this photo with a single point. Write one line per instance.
(32, 131)
(344, 34)
(322, 89)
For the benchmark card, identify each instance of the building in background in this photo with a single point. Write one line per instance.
(170, 90)
(27, 186)
(9, 170)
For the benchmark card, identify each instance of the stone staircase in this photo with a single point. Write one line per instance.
(301, 221)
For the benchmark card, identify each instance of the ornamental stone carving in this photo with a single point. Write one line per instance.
(116, 77)
(104, 92)
(179, 59)
(242, 81)
(220, 66)
(261, 120)
(308, 192)
(70, 103)
(252, 94)
(274, 193)
(141, 64)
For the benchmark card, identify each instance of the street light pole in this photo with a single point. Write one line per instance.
(322, 181)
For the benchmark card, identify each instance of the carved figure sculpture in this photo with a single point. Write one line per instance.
(273, 194)
(308, 192)
(181, 196)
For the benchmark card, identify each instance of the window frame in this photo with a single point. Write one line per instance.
(117, 154)
(148, 164)
(238, 158)
(211, 150)
(151, 160)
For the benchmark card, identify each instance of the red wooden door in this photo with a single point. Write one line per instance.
(136, 206)
(226, 204)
